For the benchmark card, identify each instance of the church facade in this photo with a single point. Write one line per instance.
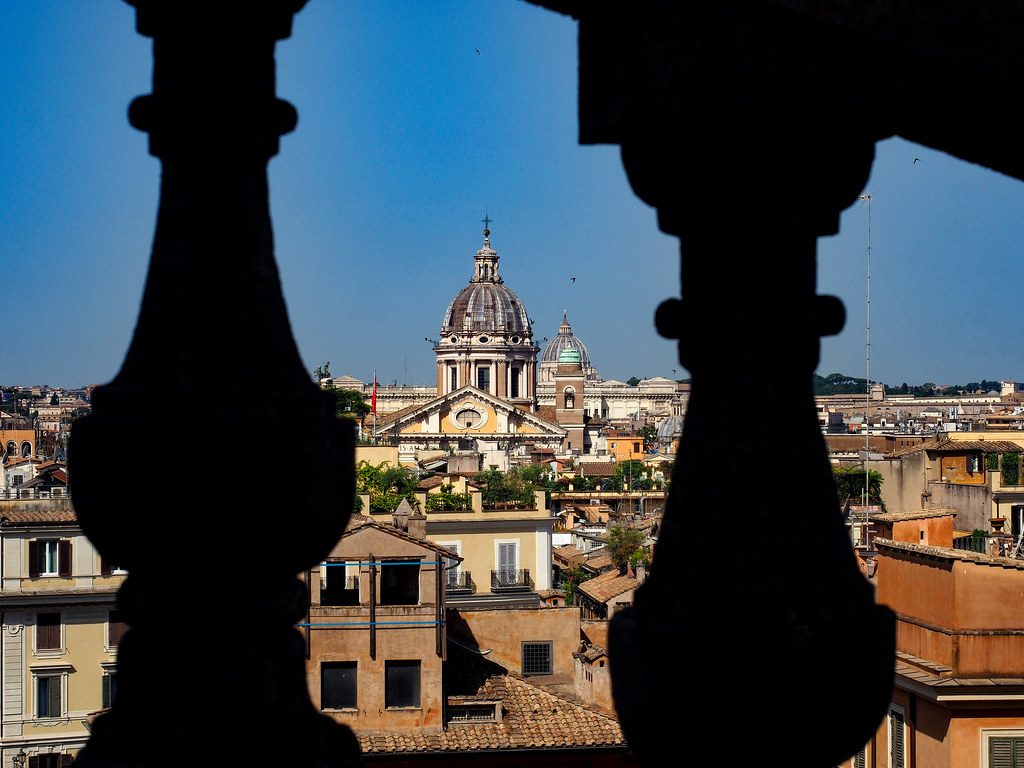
(496, 395)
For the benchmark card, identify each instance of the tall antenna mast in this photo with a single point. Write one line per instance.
(867, 408)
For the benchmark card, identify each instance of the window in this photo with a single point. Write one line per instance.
(860, 759)
(338, 685)
(49, 557)
(399, 583)
(452, 571)
(339, 583)
(52, 760)
(483, 379)
(115, 629)
(537, 658)
(48, 696)
(453, 376)
(1005, 749)
(48, 631)
(508, 563)
(467, 418)
(109, 569)
(897, 742)
(513, 385)
(108, 691)
(401, 683)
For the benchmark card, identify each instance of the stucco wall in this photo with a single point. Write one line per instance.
(960, 613)
(972, 502)
(503, 632)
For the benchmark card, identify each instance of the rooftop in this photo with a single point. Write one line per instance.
(534, 717)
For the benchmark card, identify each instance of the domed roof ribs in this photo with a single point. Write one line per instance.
(486, 304)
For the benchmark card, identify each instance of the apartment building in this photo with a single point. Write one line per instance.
(61, 629)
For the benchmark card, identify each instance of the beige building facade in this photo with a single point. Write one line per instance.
(60, 631)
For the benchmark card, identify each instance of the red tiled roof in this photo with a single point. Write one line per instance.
(25, 515)
(534, 718)
(597, 468)
(606, 586)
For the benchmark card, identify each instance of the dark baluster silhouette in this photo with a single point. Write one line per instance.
(212, 669)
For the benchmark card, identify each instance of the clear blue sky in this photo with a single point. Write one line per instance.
(406, 137)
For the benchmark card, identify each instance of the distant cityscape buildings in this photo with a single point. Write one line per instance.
(465, 614)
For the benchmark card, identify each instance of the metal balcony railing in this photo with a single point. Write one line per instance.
(459, 581)
(971, 543)
(506, 579)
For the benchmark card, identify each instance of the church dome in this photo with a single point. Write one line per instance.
(487, 305)
(563, 341)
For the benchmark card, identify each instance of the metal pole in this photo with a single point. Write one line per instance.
(867, 408)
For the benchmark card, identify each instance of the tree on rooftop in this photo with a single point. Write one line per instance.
(650, 435)
(385, 485)
(622, 543)
(322, 371)
(850, 485)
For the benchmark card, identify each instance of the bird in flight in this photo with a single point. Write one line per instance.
(573, 279)
(916, 159)
(477, 51)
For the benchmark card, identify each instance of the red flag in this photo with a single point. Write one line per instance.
(373, 400)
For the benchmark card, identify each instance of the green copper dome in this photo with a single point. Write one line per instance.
(569, 355)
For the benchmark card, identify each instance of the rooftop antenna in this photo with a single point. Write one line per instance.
(867, 408)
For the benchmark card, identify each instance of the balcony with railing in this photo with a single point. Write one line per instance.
(510, 580)
(459, 582)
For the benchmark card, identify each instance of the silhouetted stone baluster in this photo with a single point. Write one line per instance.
(755, 627)
(177, 474)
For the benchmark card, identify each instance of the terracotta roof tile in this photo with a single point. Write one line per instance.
(22, 515)
(604, 587)
(597, 468)
(534, 718)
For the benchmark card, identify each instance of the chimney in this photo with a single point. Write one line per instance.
(417, 526)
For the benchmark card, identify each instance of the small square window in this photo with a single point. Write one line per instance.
(338, 685)
(401, 683)
(537, 658)
(48, 631)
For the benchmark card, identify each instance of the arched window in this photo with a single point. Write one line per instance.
(26, 449)
(570, 397)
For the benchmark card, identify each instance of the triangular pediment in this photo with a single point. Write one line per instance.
(469, 410)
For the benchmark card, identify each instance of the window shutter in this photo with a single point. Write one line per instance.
(64, 558)
(33, 559)
(55, 708)
(506, 557)
(896, 747)
(66, 761)
(1006, 752)
(105, 569)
